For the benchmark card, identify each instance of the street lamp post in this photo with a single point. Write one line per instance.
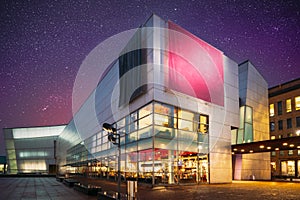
(114, 138)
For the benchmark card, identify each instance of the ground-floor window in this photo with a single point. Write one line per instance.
(288, 168)
(157, 166)
(160, 144)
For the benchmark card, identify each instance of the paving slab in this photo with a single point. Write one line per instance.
(49, 189)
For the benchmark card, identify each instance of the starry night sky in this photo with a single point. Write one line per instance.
(43, 43)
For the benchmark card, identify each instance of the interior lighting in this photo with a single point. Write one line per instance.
(276, 149)
(285, 144)
(261, 146)
(251, 151)
(268, 147)
(292, 145)
(242, 150)
(235, 149)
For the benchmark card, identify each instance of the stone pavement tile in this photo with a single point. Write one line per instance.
(50, 189)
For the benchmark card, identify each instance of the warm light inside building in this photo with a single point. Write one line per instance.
(297, 103)
(272, 112)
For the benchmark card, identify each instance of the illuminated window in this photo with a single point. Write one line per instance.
(273, 137)
(288, 168)
(297, 103)
(203, 125)
(291, 152)
(288, 105)
(279, 107)
(272, 112)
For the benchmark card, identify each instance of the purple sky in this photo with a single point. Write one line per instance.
(43, 44)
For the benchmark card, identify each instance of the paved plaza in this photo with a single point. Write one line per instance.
(27, 188)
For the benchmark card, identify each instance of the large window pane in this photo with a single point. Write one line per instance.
(248, 115)
(145, 133)
(145, 111)
(146, 121)
(187, 136)
(131, 137)
(185, 125)
(165, 121)
(165, 109)
(242, 115)
(164, 132)
(163, 143)
(248, 133)
(145, 144)
(183, 114)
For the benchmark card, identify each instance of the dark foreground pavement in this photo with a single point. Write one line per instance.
(49, 188)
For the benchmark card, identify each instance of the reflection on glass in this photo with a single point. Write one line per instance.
(183, 114)
(145, 133)
(164, 132)
(185, 125)
(145, 111)
(146, 121)
(165, 109)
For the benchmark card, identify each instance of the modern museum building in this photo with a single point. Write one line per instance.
(177, 103)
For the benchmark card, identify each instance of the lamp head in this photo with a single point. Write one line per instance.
(109, 128)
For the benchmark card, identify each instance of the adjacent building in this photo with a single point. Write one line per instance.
(253, 127)
(284, 111)
(178, 104)
(31, 150)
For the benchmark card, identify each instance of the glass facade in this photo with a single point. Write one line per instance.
(163, 128)
(245, 131)
(32, 150)
(160, 144)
